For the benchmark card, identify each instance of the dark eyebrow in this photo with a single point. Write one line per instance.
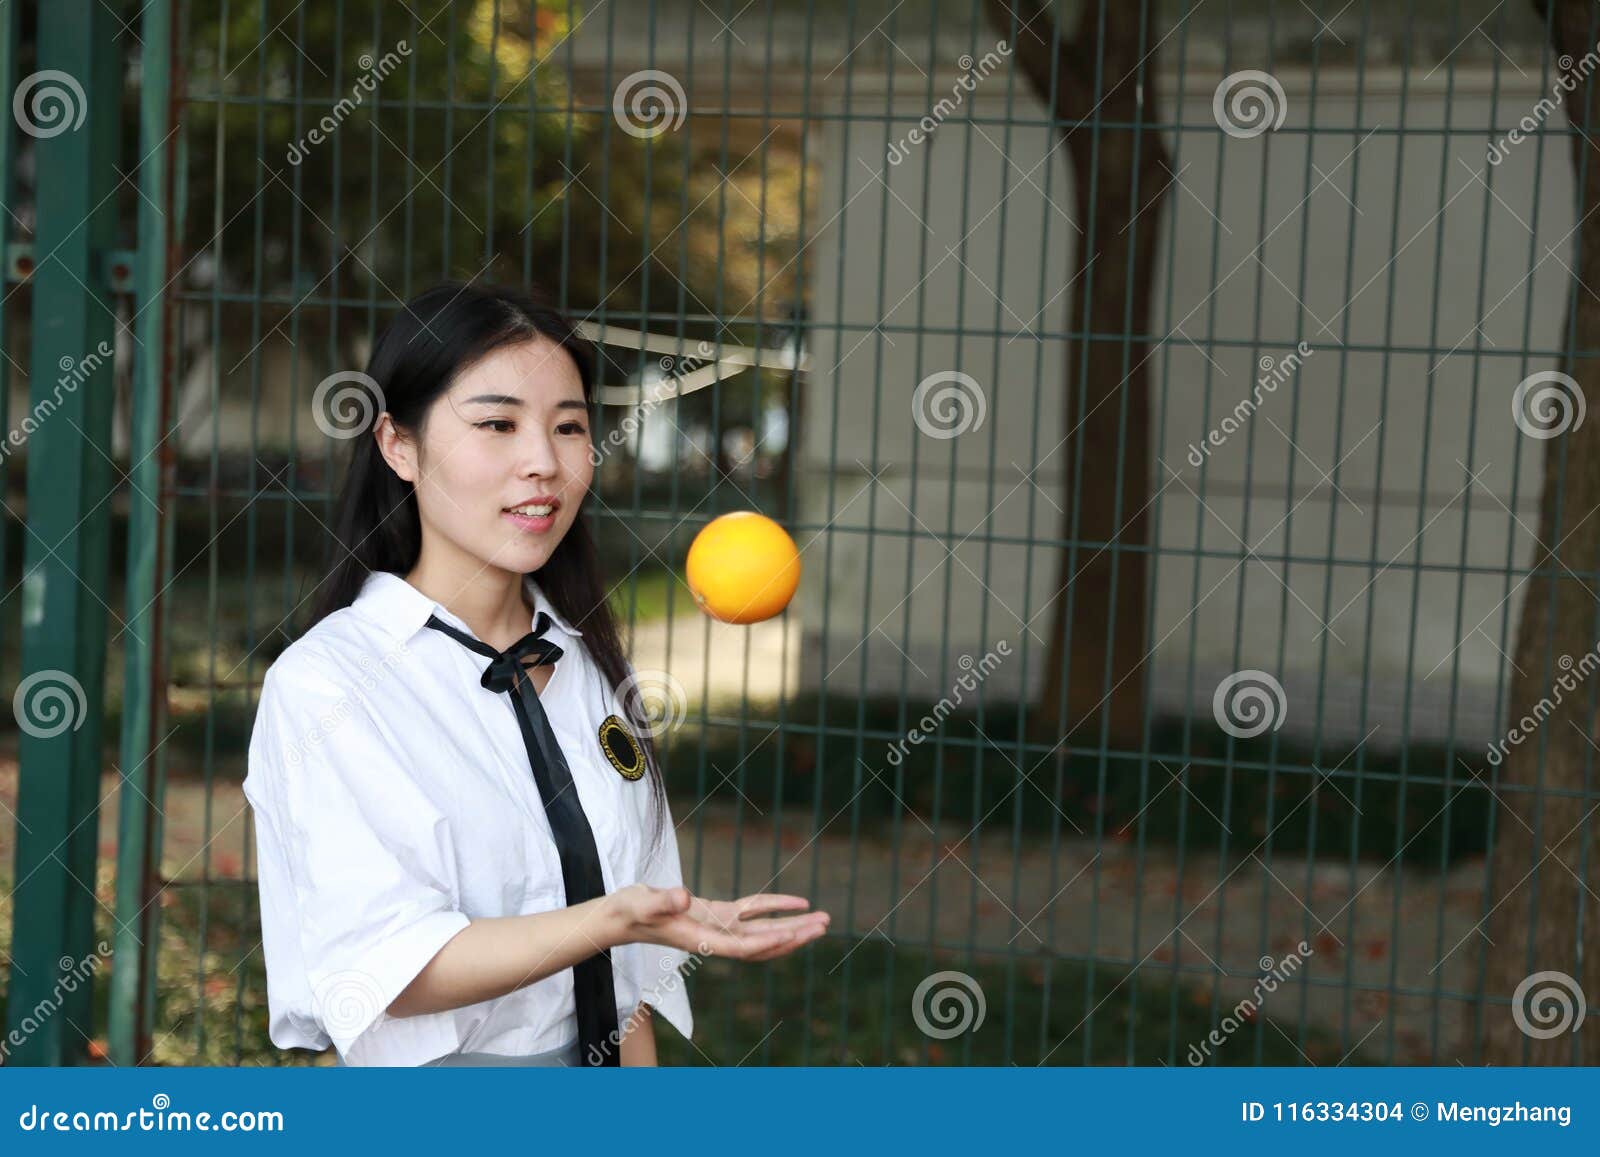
(511, 400)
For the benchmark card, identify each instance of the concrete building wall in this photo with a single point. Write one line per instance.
(1415, 303)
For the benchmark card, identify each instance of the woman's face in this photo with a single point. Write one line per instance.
(504, 461)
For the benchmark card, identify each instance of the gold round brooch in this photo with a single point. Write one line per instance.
(621, 748)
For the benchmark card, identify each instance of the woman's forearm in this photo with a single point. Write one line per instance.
(638, 1039)
(499, 954)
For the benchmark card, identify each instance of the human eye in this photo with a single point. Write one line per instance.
(497, 422)
(572, 428)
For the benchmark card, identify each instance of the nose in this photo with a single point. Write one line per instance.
(539, 458)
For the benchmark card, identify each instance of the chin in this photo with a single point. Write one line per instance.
(524, 557)
(523, 561)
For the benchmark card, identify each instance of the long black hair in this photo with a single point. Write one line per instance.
(437, 335)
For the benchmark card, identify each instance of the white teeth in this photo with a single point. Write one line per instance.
(533, 511)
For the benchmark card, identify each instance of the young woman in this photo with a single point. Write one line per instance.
(466, 854)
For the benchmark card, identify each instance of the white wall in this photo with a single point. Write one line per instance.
(1271, 266)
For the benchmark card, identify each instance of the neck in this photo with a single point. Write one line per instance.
(489, 600)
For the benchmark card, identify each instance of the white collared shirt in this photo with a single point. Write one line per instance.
(394, 803)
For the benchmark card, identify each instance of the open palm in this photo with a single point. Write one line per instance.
(749, 928)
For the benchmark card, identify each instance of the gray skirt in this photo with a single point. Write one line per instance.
(568, 1056)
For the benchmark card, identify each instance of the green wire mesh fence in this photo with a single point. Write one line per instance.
(1173, 404)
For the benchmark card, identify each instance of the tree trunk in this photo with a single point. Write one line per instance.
(1544, 919)
(1101, 74)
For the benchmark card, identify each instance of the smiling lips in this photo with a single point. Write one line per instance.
(535, 515)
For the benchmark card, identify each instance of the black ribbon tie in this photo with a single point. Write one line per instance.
(594, 988)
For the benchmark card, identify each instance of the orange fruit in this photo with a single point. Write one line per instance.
(743, 568)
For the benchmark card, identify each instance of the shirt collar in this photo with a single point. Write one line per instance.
(542, 603)
(403, 610)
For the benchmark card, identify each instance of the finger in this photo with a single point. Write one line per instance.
(777, 953)
(805, 931)
(802, 923)
(763, 902)
(798, 942)
(745, 945)
(714, 913)
(743, 948)
(667, 901)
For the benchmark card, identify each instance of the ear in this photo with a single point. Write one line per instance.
(399, 451)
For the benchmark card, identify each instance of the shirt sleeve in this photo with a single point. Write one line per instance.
(656, 974)
(357, 869)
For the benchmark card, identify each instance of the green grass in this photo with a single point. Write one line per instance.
(645, 595)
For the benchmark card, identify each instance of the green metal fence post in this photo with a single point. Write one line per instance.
(143, 694)
(64, 609)
(10, 25)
